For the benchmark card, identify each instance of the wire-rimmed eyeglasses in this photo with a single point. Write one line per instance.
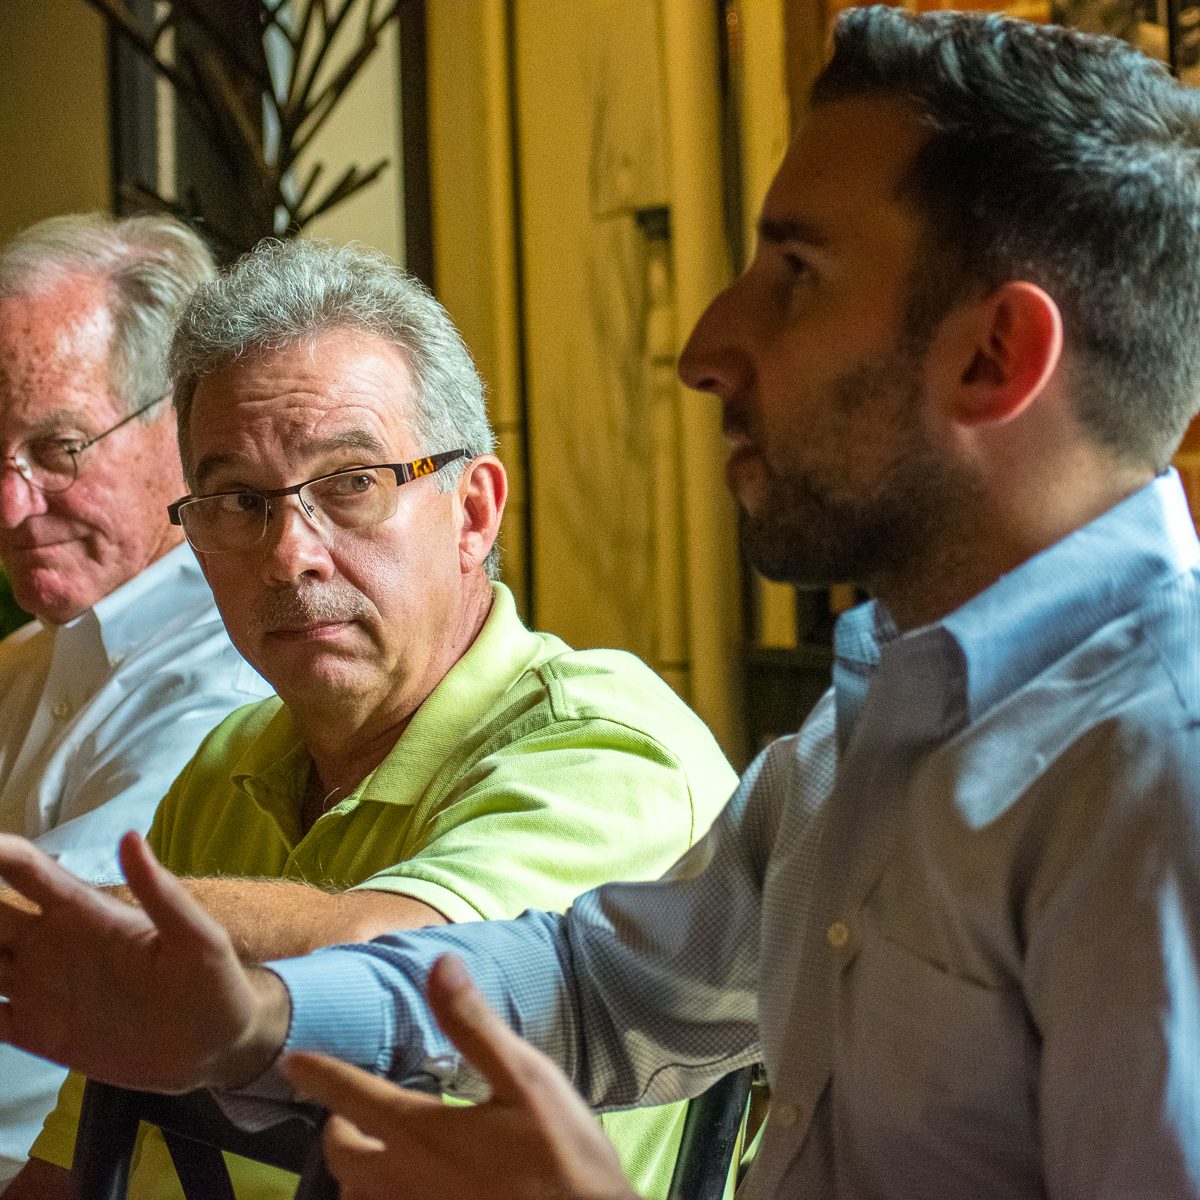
(350, 499)
(51, 464)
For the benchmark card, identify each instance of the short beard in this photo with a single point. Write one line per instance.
(810, 534)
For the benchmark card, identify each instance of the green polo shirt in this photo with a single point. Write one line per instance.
(532, 773)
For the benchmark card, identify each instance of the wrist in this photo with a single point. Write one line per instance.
(262, 1039)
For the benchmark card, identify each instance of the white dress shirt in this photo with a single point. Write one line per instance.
(97, 717)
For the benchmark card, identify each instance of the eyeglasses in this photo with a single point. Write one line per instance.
(351, 499)
(52, 464)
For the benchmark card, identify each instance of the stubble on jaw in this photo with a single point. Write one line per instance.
(812, 530)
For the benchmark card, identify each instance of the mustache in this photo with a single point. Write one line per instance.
(736, 423)
(313, 604)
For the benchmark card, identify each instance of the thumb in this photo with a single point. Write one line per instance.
(165, 900)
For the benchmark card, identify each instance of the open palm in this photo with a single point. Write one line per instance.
(149, 997)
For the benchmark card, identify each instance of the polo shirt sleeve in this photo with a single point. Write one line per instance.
(56, 1143)
(556, 811)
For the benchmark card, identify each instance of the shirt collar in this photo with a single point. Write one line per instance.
(1032, 616)
(1001, 639)
(501, 652)
(136, 612)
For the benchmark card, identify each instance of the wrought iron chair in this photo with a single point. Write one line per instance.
(196, 1131)
(711, 1132)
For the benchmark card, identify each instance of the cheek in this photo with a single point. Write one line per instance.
(100, 513)
(232, 589)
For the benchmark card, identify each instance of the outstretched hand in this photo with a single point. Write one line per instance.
(533, 1138)
(151, 997)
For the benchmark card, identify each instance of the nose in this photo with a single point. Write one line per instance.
(711, 360)
(19, 499)
(293, 546)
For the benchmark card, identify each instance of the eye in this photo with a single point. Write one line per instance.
(236, 504)
(348, 484)
(796, 266)
(53, 453)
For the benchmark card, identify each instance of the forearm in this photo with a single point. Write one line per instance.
(366, 1004)
(275, 918)
(667, 959)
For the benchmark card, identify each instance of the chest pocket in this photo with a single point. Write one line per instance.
(935, 1078)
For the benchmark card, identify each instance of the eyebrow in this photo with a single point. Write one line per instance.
(51, 423)
(778, 230)
(349, 439)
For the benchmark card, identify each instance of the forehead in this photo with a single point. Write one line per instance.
(340, 389)
(841, 180)
(54, 352)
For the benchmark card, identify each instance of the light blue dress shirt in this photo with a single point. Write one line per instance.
(957, 914)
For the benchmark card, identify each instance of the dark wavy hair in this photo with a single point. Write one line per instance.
(1065, 159)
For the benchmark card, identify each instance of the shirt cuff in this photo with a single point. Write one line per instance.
(339, 1008)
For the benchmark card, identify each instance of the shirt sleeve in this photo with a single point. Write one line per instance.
(642, 992)
(555, 812)
(144, 745)
(1113, 977)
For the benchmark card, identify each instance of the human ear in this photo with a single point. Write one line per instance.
(482, 490)
(1016, 345)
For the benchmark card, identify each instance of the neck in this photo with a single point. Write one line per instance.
(349, 736)
(998, 539)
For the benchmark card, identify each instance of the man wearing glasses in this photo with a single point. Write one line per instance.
(428, 759)
(108, 692)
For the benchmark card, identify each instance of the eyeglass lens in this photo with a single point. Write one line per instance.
(236, 520)
(47, 463)
(52, 464)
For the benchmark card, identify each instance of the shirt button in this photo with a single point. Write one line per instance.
(61, 709)
(838, 934)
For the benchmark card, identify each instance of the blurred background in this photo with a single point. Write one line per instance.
(574, 179)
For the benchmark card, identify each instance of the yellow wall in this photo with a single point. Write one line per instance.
(53, 111)
(473, 225)
(615, 110)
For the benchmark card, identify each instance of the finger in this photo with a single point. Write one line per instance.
(344, 1139)
(355, 1160)
(165, 900)
(38, 877)
(503, 1059)
(373, 1104)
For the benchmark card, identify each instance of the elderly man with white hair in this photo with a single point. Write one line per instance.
(107, 693)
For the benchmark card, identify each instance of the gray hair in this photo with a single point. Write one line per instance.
(282, 293)
(150, 264)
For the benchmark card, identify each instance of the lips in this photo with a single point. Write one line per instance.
(313, 632)
(741, 455)
(33, 547)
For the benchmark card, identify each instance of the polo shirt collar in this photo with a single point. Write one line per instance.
(501, 653)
